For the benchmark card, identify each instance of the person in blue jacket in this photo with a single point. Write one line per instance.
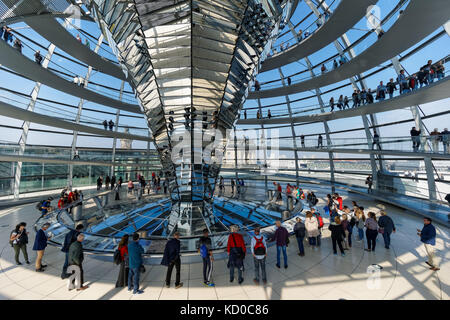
(70, 238)
(428, 237)
(135, 252)
(171, 258)
(40, 243)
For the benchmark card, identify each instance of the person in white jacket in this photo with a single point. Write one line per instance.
(312, 228)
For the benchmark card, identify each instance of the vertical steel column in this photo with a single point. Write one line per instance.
(294, 137)
(364, 118)
(26, 124)
(148, 154)
(266, 187)
(42, 175)
(13, 164)
(427, 159)
(235, 154)
(430, 178)
(77, 119)
(116, 129)
(90, 174)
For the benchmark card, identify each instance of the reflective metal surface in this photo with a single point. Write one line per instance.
(191, 64)
(155, 221)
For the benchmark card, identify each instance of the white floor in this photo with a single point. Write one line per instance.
(317, 275)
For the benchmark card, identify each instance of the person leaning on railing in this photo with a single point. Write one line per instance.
(445, 138)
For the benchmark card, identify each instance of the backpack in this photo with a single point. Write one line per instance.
(319, 219)
(11, 241)
(203, 251)
(259, 247)
(117, 257)
(39, 205)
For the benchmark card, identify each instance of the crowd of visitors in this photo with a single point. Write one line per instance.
(6, 35)
(435, 137)
(237, 187)
(301, 35)
(111, 183)
(403, 84)
(129, 253)
(69, 198)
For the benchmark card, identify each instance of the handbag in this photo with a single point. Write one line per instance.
(142, 268)
(381, 230)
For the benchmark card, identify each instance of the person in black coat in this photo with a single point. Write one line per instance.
(337, 235)
(99, 182)
(171, 258)
(300, 233)
(70, 238)
(387, 224)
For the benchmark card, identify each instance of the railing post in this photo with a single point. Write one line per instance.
(430, 178)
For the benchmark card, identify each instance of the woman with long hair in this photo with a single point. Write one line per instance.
(122, 280)
(19, 240)
(360, 220)
(337, 235)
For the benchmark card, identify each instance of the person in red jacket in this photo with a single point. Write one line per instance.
(61, 203)
(338, 198)
(71, 196)
(236, 253)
